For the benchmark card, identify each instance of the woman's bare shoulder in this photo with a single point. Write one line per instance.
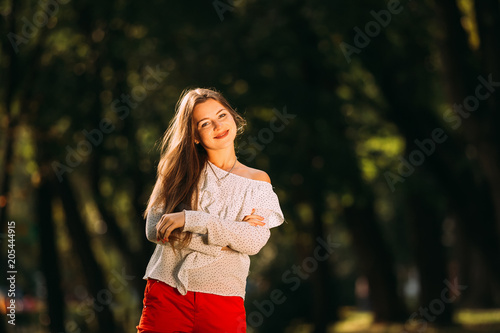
(252, 173)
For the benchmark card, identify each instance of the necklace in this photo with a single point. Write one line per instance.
(227, 174)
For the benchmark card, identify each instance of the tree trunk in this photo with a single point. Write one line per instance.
(456, 54)
(90, 267)
(12, 82)
(134, 263)
(374, 257)
(48, 252)
(323, 305)
(479, 127)
(429, 255)
(376, 263)
(488, 23)
(416, 121)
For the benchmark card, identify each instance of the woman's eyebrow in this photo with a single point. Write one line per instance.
(199, 121)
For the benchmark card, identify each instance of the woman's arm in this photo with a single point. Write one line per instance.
(239, 236)
(247, 236)
(196, 244)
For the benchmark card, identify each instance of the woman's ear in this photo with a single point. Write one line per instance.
(196, 138)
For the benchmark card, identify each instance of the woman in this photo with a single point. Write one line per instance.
(207, 214)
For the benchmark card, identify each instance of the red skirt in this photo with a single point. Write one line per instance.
(167, 311)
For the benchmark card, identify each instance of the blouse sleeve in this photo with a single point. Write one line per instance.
(239, 236)
(154, 216)
(198, 242)
(269, 207)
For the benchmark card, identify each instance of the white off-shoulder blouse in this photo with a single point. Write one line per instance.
(202, 266)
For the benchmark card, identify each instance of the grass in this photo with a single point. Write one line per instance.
(467, 321)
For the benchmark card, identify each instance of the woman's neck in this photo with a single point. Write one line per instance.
(223, 159)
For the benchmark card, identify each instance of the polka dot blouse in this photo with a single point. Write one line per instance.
(202, 266)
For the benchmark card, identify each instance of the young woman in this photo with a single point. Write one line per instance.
(207, 213)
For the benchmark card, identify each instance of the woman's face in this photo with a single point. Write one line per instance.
(214, 125)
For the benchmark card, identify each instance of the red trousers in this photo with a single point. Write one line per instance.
(167, 311)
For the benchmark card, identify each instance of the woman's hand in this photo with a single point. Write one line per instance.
(255, 220)
(167, 224)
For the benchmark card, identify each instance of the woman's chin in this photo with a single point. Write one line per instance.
(220, 145)
(217, 144)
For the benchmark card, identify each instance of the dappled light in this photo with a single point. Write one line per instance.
(376, 121)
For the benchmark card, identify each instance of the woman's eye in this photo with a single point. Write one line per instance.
(222, 115)
(204, 124)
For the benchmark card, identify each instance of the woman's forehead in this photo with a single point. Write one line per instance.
(207, 109)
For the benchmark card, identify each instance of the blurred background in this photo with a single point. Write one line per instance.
(377, 122)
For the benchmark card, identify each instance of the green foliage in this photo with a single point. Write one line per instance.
(350, 122)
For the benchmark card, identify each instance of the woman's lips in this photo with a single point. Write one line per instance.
(223, 135)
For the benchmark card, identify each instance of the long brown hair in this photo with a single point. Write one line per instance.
(182, 160)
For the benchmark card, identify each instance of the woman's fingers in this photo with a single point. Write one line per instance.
(169, 227)
(159, 234)
(255, 221)
(253, 217)
(164, 228)
(167, 224)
